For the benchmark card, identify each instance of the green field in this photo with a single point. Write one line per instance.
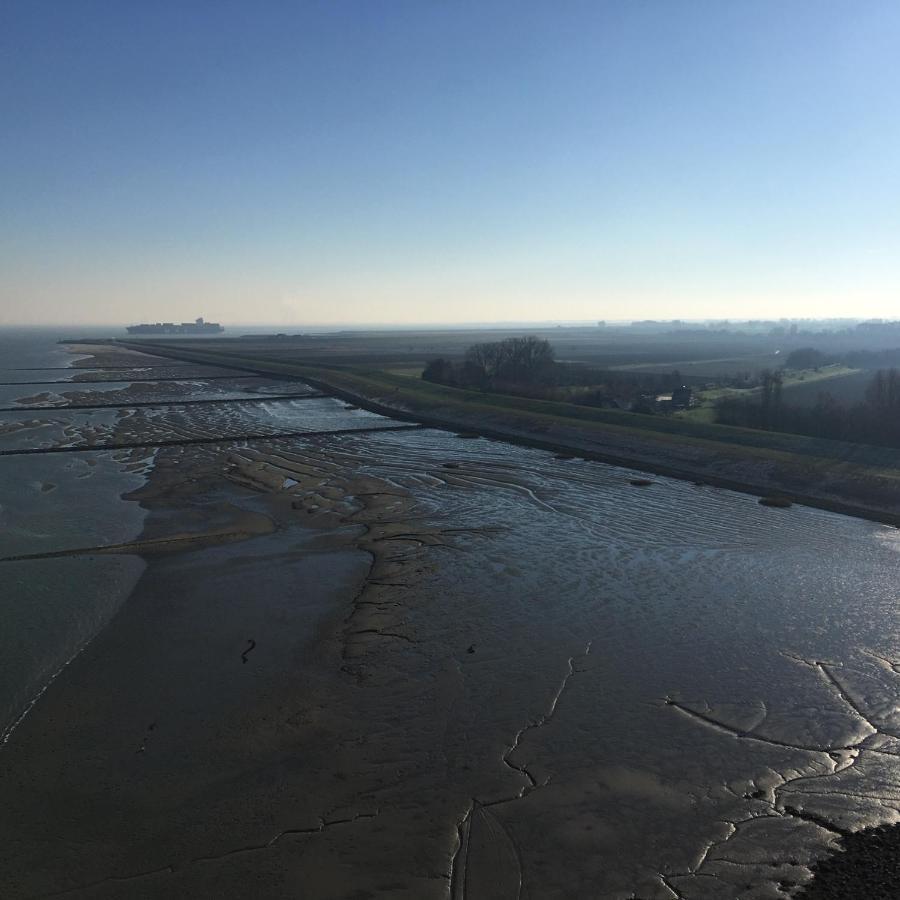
(801, 388)
(847, 388)
(721, 367)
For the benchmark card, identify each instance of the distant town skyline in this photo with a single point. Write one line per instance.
(427, 163)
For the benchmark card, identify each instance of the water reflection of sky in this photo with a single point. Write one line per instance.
(722, 662)
(772, 633)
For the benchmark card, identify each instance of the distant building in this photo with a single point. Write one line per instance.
(681, 397)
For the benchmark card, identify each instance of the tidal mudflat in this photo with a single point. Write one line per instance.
(413, 664)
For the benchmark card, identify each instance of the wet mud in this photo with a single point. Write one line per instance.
(416, 664)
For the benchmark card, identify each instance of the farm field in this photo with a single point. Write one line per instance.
(848, 389)
(800, 388)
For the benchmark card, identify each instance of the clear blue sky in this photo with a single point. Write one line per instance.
(389, 161)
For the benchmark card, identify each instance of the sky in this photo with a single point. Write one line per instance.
(383, 161)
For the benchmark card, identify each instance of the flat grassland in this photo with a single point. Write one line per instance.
(799, 388)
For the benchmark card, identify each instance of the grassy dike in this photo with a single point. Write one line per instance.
(854, 479)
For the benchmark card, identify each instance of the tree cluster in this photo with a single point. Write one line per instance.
(806, 358)
(492, 366)
(876, 420)
(873, 359)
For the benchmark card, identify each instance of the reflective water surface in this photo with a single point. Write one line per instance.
(729, 670)
(657, 692)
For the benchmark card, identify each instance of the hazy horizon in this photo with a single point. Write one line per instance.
(324, 165)
(231, 328)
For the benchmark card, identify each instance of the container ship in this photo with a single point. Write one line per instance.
(198, 326)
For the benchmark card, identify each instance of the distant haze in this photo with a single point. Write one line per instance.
(425, 162)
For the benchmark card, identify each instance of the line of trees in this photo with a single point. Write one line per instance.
(876, 420)
(810, 358)
(525, 366)
(873, 359)
(807, 358)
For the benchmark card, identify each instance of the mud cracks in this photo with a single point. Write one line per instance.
(829, 795)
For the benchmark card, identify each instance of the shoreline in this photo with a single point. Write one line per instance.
(644, 459)
(77, 359)
(224, 603)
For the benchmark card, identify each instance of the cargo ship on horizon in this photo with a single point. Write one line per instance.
(198, 326)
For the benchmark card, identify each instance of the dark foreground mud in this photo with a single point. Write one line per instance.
(866, 868)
